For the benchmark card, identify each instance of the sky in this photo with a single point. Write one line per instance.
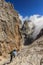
(30, 10)
(28, 7)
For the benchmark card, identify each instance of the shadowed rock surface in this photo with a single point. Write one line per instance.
(40, 34)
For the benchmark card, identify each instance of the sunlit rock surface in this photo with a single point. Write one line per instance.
(9, 28)
(30, 55)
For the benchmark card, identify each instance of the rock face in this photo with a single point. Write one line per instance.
(9, 28)
(30, 55)
(13, 34)
(27, 30)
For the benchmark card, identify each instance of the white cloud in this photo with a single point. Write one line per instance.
(37, 21)
(23, 18)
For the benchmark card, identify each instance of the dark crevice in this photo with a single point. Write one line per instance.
(29, 40)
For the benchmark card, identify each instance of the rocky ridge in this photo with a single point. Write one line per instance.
(9, 28)
(13, 35)
(30, 55)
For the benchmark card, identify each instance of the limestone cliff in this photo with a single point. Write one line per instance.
(9, 28)
(13, 34)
